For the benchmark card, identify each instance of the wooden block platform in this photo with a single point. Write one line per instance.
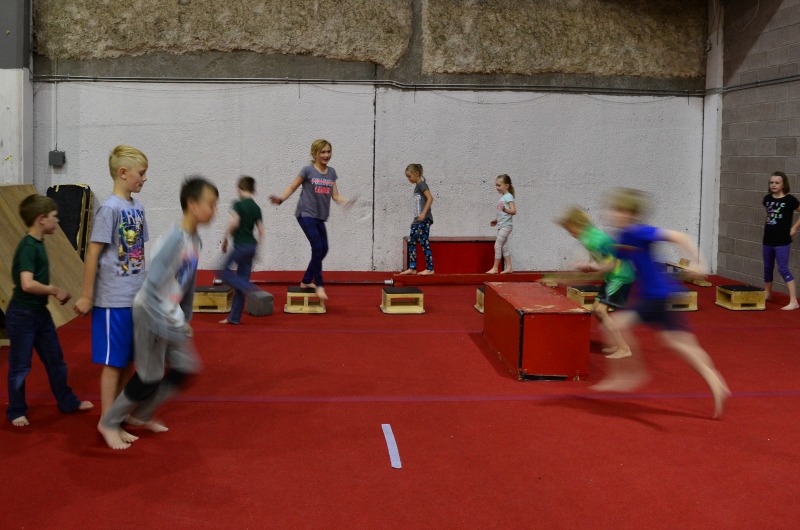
(583, 295)
(212, 299)
(479, 295)
(741, 297)
(681, 267)
(402, 301)
(682, 301)
(303, 300)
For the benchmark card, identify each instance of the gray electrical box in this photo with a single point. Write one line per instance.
(57, 158)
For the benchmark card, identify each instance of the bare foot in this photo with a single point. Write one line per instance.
(426, 272)
(308, 285)
(491, 271)
(409, 271)
(619, 383)
(507, 271)
(113, 437)
(152, 425)
(127, 437)
(721, 393)
(790, 306)
(619, 354)
(86, 405)
(767, 295)
(22, 421)
(226, 321)
(610, 349)
(321, 294)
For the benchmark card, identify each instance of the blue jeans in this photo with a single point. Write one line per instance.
(239, 279)
(317, 235)
(29, 329)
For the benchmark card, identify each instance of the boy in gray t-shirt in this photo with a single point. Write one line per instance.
(114, 271)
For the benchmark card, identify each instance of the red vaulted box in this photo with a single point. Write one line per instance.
(539, 333)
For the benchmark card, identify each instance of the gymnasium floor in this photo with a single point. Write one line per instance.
(283, 430)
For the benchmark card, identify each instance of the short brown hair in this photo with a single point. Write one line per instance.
(247, 184)
(35, 205)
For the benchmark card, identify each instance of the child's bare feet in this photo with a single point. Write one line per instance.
(86, 405)
(113, 437)
(152, 425)
(409, 271)
(790, 306)
(721, 392)
(619, 354)
(426, 272)
(308, 285)
(622, 383)
(492, 271)
(610, 349)
(226, 321)
(22, 421)
(321, 294)
(507, 271)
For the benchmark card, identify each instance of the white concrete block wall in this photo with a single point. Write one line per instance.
(559, 149)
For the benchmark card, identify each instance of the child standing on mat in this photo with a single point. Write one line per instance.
(505, 210)
(778, 232)
(423, 219)
(246, 216)
(654, 286)
(618, 276)
(164, 354)
(114, 270)
(28, 320)
(318, 181)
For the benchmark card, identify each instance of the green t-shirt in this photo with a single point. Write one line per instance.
(249, 214)
(602, 249)
(30, 256)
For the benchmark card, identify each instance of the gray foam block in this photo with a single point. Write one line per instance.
(259, 303)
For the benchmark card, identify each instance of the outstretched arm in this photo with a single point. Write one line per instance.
(290, 189)
(337, 197)
(688, 248)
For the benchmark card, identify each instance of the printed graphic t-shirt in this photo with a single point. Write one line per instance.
(779, 219)
(315, 197)
(120, 225)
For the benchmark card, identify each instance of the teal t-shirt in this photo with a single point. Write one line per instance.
(30, 256)
(249, 214)
(602, 249)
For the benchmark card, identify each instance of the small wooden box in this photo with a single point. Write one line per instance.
(303, 300)
(212, 299)
(584, 295)
(682, 301)
(479, 295)
(741, 297)
(402, 301)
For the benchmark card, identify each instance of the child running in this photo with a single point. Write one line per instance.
(778, 232)
(164, 353)
(618, 276)
(506, 209)
(654, 287)
(246, 216)
(318, 181)
(423, 219)
(28, 320)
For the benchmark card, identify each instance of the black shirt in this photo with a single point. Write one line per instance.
(779, 219)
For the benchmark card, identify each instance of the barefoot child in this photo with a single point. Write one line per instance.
(114, 270)
(318, 181)
(423, 219)
(164, 354)
(246, 216)
(505, 210)
(654, 287)
(617, 280)
(28, 320)
(778, 232)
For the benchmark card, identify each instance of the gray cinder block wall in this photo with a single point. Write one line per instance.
(760, 128)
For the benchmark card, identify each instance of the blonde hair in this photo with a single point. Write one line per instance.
(125, 156)
(627, 200)
(507, 180)
(416, 168)
(574, 216)
(317, 146)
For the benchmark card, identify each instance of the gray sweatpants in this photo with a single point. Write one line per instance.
(155, 347)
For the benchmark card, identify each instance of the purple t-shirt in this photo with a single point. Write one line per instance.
(635, 242)
(315, 197)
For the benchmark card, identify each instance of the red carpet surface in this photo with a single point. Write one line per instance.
(283, 430)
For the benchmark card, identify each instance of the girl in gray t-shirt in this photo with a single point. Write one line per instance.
(423, 219)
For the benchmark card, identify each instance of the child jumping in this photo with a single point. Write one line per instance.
(423, 219)
(164, 354)
(318, 181)
(618, 276)
(28, 320)
(114, 270)
(654, 286)
(505, 210)
(778, 232)
(246, 216)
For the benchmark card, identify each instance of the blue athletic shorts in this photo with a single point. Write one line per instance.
(654, 313)
(112, 336)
